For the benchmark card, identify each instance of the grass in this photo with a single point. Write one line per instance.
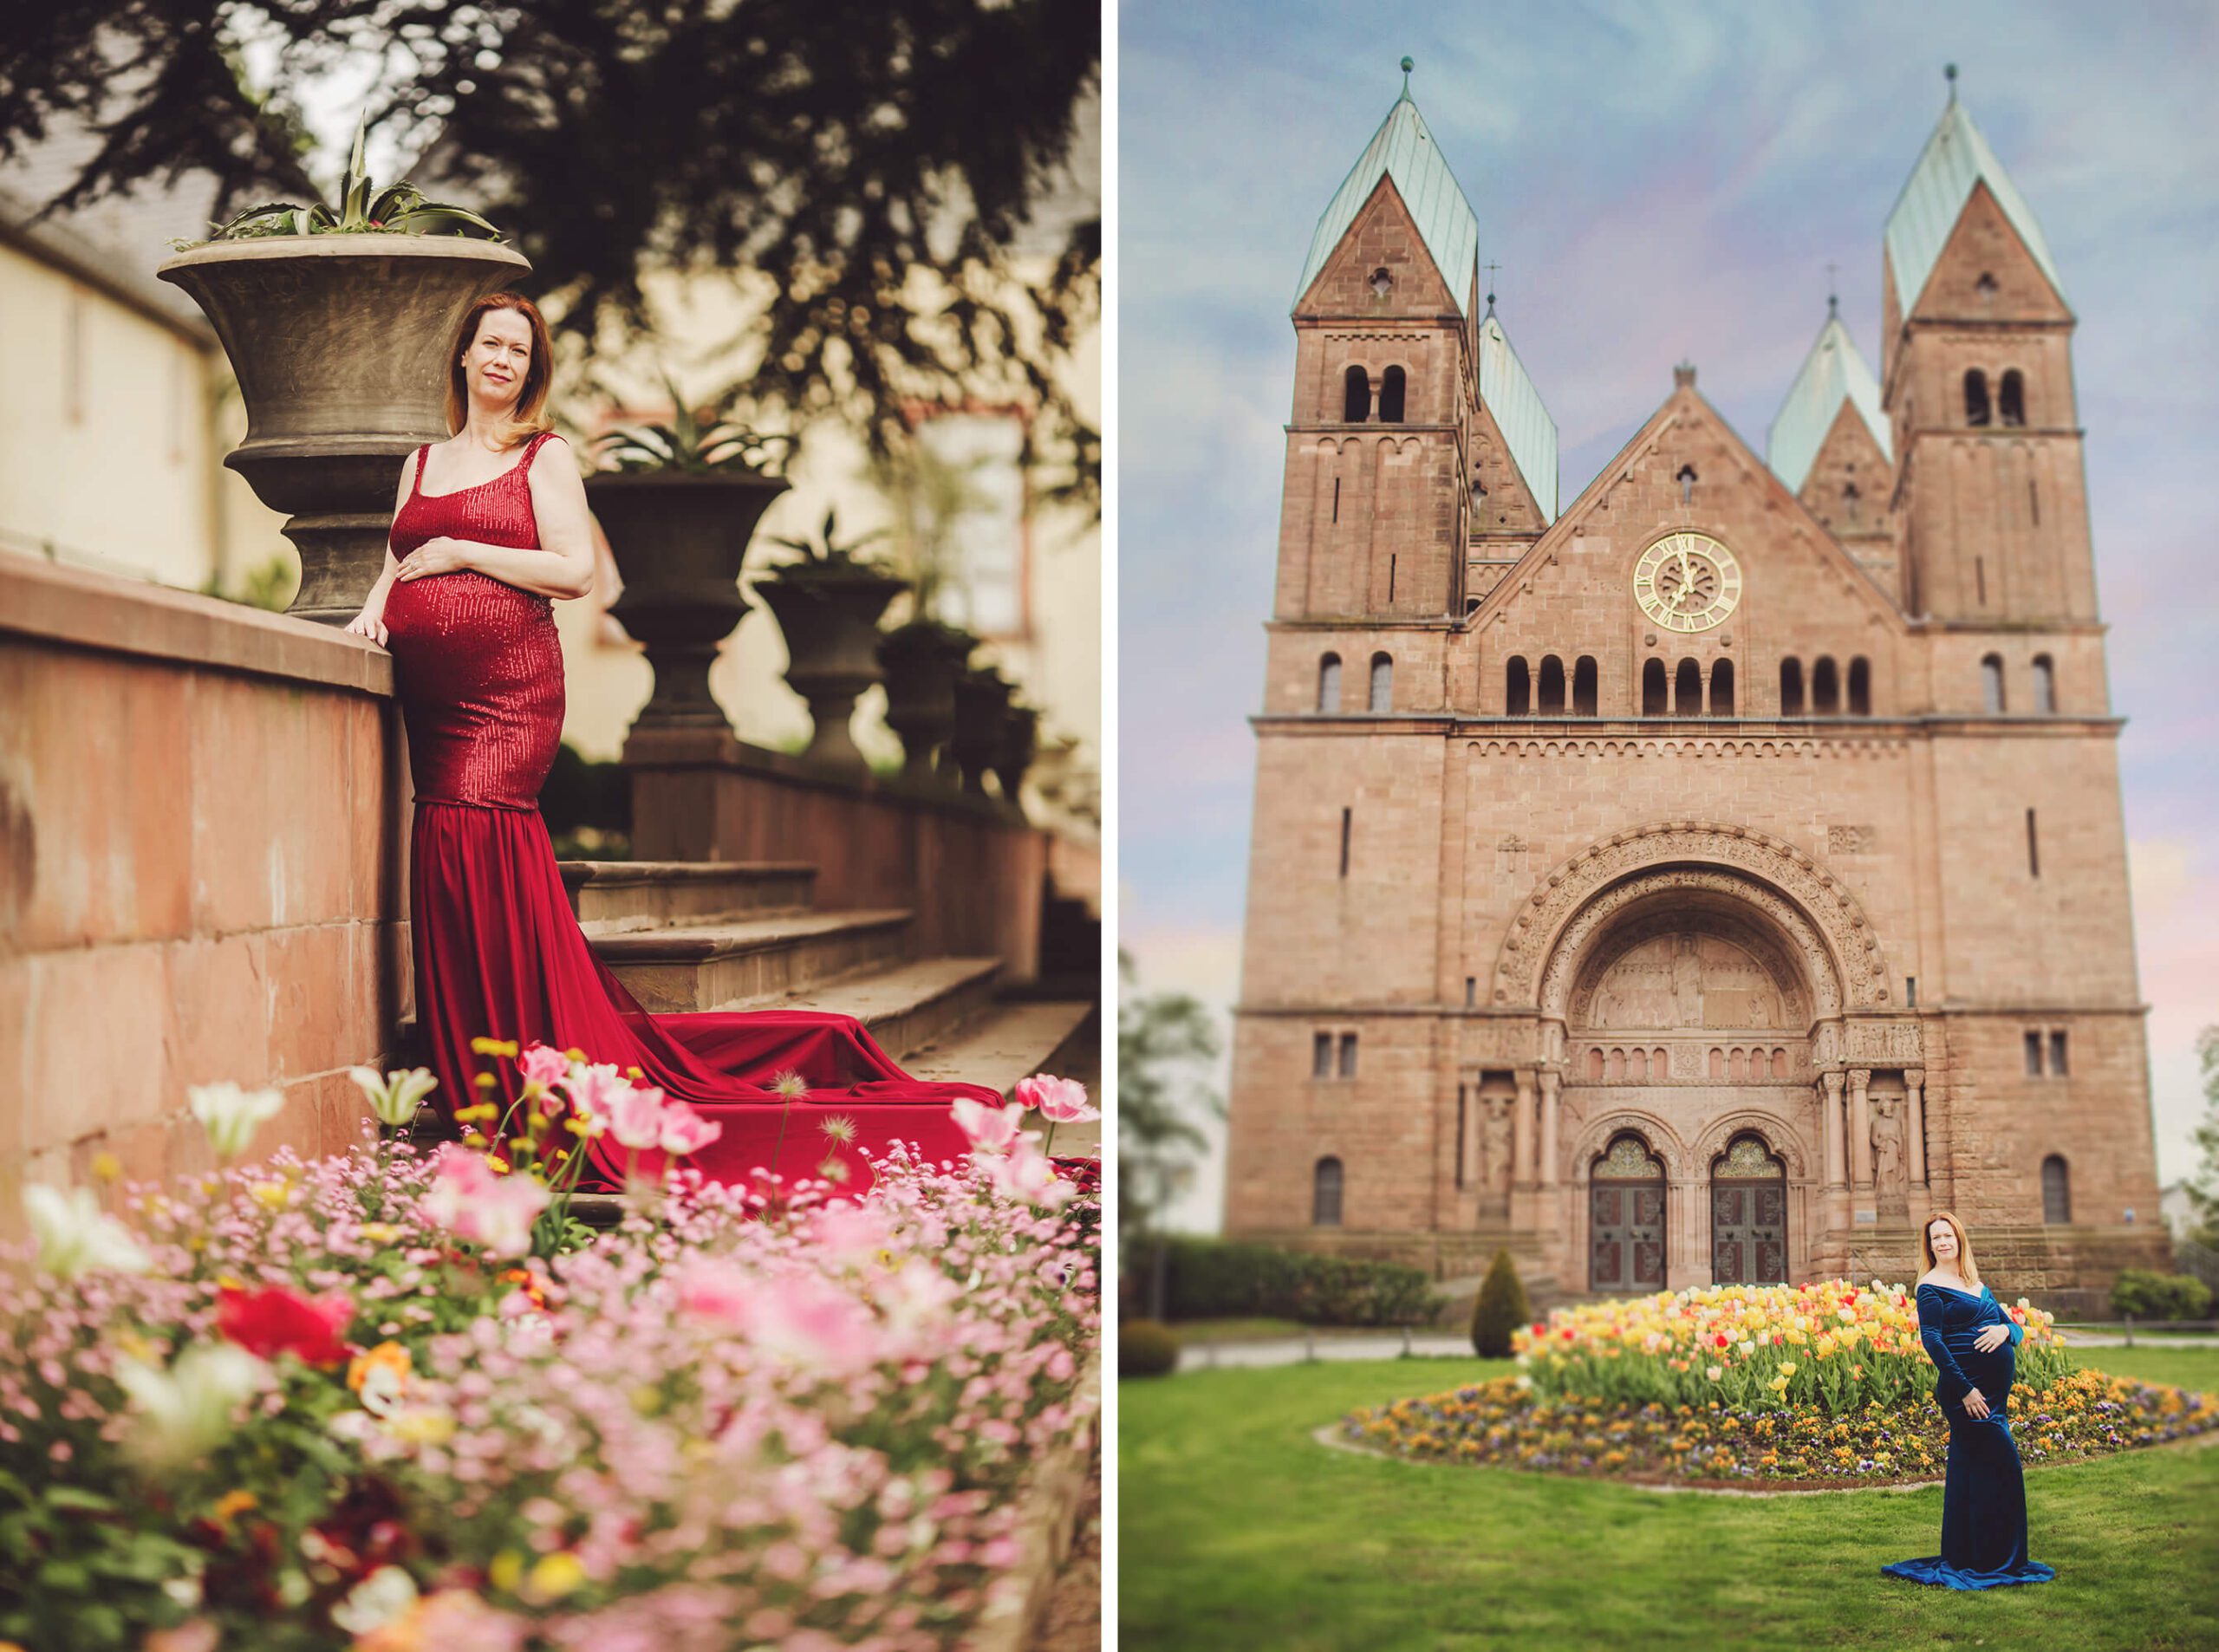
(1237, 1529)
(1194, 1332)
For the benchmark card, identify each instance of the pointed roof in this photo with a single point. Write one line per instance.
(1403, 150)
(1527, 430)
(1955, 158)
(1833, 372)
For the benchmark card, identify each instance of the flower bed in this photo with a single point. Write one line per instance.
(333, 1404)
(2085, 1414)
(1818, 1385)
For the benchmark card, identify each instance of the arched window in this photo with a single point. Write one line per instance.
(1687, 690)
(2044, 685)
(1329, 683)
(1325, 1194)
(1790, 688)
(1780, 1064)
(1382, 283)
(1383, 683)
(1721, 689)
(1718, 1063)
(1976, 408)
(1687, 479)
(1637, 1066)
(1595, 1065)
(2011, 397)
(1618, 1066)
(1391, 396)
(1516, 687)
(1826, 687)
(1860, 687)
(2057, 1190)
(1583, 686)
(1355, 396)
(1737, 1065)
(1991, 682)
(1551, 702)
(1654, 698)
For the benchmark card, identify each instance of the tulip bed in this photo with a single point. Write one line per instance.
(334, 1404)
(1820, 1385)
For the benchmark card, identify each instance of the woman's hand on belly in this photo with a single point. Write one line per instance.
(1975, 1405)
(1991, 1337)
(439, 555)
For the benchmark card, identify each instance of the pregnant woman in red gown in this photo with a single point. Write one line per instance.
(489, 527)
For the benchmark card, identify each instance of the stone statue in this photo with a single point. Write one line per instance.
(1887, 1145)
(1687, 983)
(1494, 1150)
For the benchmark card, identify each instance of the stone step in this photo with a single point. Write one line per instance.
(616, 897)
(1016, 1039)
(706, 965)
(905, 1008)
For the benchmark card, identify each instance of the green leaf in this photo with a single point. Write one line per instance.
(76, 1497)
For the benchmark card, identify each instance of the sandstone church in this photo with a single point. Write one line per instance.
(1702, 878)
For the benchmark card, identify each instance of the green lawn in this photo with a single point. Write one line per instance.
(1238, 1531)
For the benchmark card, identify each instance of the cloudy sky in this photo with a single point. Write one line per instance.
(1658, 181)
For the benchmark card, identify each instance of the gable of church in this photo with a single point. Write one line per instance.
(1984, 272)
(1382, 236)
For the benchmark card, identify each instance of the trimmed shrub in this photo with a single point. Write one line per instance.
(1500, 1310)
(1212, 1280)
(1147, 1347)
(2147, 1294)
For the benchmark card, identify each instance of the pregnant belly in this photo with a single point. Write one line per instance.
(1991, 1374)
(478, 669)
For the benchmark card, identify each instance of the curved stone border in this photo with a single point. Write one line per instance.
(1329, 1435)
(1790, 877)
(1018, 1600)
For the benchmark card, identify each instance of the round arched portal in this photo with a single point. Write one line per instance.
(1748, 1214)
(1625, 1226)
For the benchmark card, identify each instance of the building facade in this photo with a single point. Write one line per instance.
(1705, 879)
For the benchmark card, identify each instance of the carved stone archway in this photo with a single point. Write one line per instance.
(1578, 900)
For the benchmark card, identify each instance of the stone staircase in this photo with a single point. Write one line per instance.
(738, 936)
(687, 936)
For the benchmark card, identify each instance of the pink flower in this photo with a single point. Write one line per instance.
(543, 1066)
(1029, 1174)
(474, 1205)
(714, 1289)
(848, 1232)
(1061, 1100)
(990, 1128)
(684, 1130)
(593, 1091)
(635, 1116)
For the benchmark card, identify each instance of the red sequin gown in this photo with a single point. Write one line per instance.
(498, 952)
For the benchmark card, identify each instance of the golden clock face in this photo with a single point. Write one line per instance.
(1686, 582)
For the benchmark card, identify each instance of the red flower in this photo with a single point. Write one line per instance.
(1540, 1330)
(1724, 1339)
(275, 1320)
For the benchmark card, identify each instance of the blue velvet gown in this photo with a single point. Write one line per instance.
(1984, 1492)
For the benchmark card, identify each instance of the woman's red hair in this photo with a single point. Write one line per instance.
(1964, 1246)
(530, 416)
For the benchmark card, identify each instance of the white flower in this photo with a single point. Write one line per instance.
(394, 1098)
(232, 1115)
(187, 1410)
(378, 1600)
(75, 1236)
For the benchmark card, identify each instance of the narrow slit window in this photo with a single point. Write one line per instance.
(1347, 1055)
(1321, 1055)
(1383, 683)
(2033, 848)
(2033, 1055)
(1459, 1136)
(2057, 1190)
(1337, 498)
(1390, 578)
(1910, 992)
(1980, 581)
(1325, 1194)
(2057, 1067)
(1346, 817)
(2045, 684)
(1471, 990)
(1991, 683)
(1329, 683)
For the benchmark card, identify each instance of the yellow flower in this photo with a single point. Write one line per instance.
(386, 1357)
(232, 1504)
(382, 1233)
(1787, 1369)
(505, 1570)
(423, 1426)
(272, 1194)
(555, 1576)
(497, 1164)
(107, 1167)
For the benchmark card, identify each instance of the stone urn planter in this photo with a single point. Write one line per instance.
(830, 616)
(981, 702)
(921, 662)
(679, 538)
(339, 342)
(1020, 736)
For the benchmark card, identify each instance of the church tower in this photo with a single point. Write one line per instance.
(1378, 497)
(1977, 370)
(1832, 448)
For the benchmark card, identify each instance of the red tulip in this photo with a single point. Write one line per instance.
(275, 1320)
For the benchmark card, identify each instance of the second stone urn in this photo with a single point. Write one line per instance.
(679, 539)
(339, 343)
(982, 700)
(921, 660)
(831, 622)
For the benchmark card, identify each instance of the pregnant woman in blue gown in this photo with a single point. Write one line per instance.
(1971, 1342)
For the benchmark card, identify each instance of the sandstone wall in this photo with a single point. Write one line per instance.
(203, 834)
